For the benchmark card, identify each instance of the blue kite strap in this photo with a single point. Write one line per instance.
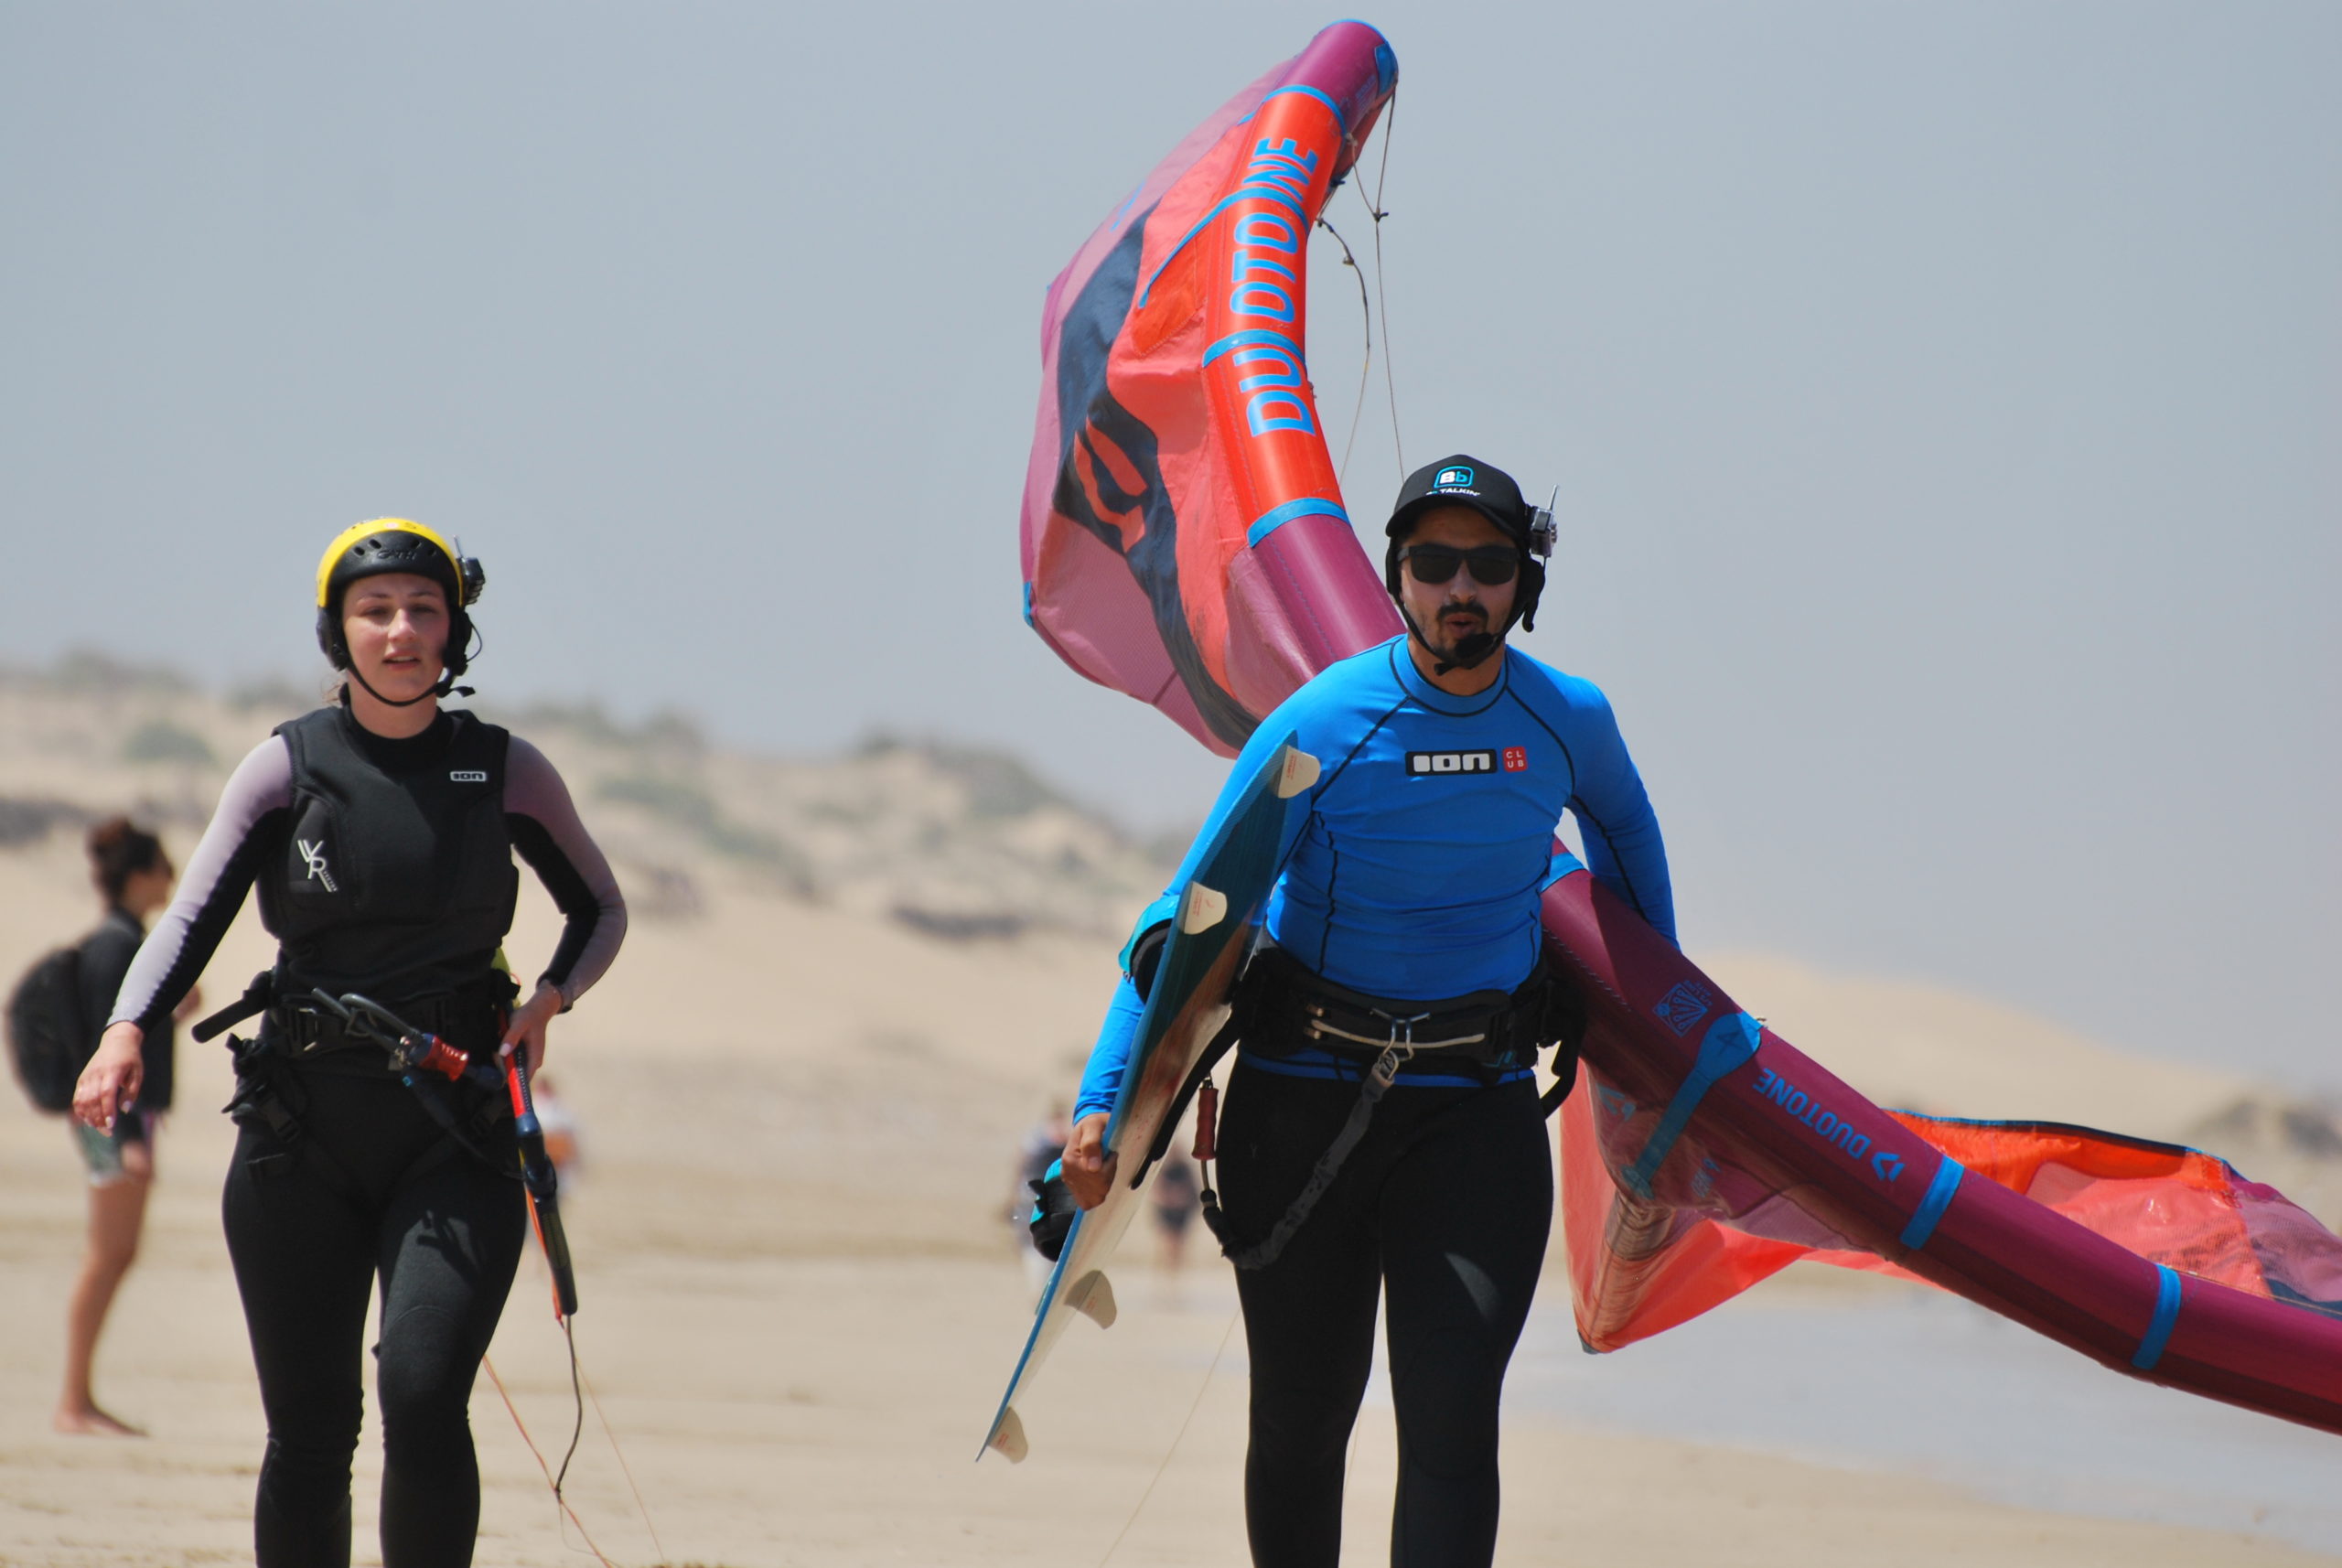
(1931, 1208)
(2159, 1328)
(1728, 1045)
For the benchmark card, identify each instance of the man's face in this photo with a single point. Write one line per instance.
(1446, 613)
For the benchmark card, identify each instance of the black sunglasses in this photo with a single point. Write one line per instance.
(1491, 564)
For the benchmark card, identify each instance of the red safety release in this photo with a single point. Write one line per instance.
(1207, 1122)
(445, 1059)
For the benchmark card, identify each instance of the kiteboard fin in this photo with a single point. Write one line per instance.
(1093, 1298)
(1008, 1437)
(1299, 772)
(1201, 909)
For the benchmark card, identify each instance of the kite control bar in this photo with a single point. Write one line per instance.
(413, 1050)
(537, 1174)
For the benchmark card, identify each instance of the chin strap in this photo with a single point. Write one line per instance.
(440, 687)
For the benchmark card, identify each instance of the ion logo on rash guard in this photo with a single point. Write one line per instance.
(1426, 762)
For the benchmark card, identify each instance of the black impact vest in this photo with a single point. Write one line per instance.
(396, 878)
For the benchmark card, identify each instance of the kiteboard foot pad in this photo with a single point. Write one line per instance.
(1201, 909)
(1299, 772)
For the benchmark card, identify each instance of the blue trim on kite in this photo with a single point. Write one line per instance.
(1242, 193)
(1729, 1044)
(1028, 604)
(1308, 92)
(1269, 521)
(1247, 338)
(1931, 1208)
(2167, 1314)
(1560, 866)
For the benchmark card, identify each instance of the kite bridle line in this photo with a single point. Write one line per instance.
(1366, 364)
(1366, 311)
(413, 1051)
(1196, 1404)
(1382, 176)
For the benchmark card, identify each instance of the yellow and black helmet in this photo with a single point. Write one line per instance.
(396, 545)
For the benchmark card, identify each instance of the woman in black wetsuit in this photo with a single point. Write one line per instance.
(379, 831)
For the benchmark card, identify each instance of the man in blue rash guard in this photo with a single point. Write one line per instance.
(1407, 910)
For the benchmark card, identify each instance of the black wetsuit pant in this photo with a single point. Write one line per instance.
(1443, 1210)
(372, 1188)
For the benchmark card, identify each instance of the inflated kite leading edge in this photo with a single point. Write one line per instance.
(1183, 536)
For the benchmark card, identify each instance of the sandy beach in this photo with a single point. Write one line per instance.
(798, 1309)
(800, 1300)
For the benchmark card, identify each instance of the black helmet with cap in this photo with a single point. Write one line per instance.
(1464, 480)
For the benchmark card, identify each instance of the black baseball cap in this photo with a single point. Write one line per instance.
(1462, 480)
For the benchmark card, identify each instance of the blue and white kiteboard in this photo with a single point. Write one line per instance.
(1218, 909)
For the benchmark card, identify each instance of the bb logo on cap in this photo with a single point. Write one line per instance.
(1452, 479)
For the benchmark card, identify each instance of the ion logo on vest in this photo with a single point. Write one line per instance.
(1423, 762)
(467, 776)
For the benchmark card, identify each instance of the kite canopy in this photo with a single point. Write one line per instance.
(1184, 535)
(1706, 1152)
(1184, 542)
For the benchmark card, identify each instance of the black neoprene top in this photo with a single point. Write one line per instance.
(384, 864)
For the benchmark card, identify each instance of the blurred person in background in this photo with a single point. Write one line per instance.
(1037, 1153)
(134, 878)
(1177, 1198)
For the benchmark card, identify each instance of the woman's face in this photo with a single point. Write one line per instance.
(396, 626)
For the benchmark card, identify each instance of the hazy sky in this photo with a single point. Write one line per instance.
(1944, 400)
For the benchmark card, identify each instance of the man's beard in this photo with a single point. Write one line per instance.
(1467, 651)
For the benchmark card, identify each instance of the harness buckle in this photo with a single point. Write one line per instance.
(1400, 1049)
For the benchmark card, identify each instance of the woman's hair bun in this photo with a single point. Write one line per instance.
(119, 850)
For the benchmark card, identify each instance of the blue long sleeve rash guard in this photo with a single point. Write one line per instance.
(1416, 868)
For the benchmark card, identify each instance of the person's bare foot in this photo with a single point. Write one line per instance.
(90, 1421)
